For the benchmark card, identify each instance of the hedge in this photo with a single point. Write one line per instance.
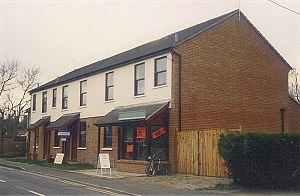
(262, 160)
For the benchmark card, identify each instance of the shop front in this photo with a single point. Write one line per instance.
(62, 136)
(139, 132)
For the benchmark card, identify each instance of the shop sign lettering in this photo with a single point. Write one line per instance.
(141, 133)
(158, 132)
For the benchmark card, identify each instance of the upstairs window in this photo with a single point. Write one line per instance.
(107, 137)
(83, 92)
(44, 102)
(160, 77)
(54, 97)
(64, 97)
(34, 102)
(139, 79)
(82, 135)
(109, 86)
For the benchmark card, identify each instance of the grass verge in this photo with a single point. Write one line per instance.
(66, 166)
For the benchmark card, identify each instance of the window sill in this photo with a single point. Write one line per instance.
(160, 86)
(83, 106)
(56, 147)
(33, 111)
(81, 148)
(109, 101)
(139, 96)
(53, 107)
(43, 113)
(63, 110)
(107, 149)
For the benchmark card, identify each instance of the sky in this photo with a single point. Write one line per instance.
(59, 36)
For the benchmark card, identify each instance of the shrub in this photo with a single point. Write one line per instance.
(262, 160)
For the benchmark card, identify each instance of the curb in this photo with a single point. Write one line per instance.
(13, 167)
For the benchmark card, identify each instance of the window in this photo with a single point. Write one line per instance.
(64, 97)
(138, 142)
(36, 138)
(54, 97)
(160, 69)
(56, 139)
(109, 89)
(34, 102)
(107, 137)
(83, 92)
(82, 134)
(44, 102)
(139, 79)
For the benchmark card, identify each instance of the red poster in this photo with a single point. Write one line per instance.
(158, 132)
(141, 133)
(129, 148)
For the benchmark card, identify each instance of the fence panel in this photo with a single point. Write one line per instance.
(198, 153)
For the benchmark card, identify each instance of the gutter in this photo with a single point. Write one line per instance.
(179, 91)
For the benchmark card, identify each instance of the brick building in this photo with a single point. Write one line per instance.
(218, 74)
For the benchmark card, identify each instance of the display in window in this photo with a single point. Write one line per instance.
(129, 148)
(158, 132)
(141, 133)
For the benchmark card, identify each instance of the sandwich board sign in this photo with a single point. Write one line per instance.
(103, 162)
(59, 158)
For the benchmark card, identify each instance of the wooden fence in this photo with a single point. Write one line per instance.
(197, 153)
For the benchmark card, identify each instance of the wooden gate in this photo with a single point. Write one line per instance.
(197, 153)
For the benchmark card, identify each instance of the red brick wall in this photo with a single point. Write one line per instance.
(230, 79)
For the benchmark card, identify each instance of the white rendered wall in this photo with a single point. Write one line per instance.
(96, 104)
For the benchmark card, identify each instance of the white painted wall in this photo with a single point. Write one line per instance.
(96, 104)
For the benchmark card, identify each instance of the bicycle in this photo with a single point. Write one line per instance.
(155, 166)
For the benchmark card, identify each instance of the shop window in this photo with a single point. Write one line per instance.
(138, 143)
(82, 134)
(56, 139)
(159, 142)
(107, 143)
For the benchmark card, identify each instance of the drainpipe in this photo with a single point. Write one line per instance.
(179, 91)
(282, 111)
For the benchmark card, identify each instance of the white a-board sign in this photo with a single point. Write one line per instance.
(59, 158)
(103, 162)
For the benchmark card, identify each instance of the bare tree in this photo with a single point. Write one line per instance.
(8, 72)
(15, 83)
(294, 86)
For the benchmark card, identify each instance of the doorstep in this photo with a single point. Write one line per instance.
(106, 174)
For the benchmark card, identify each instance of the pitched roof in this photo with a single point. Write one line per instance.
(147, 50)
(40, 122)
(131, 114)
(63, 121)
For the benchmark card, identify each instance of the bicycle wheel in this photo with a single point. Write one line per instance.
(149, 170)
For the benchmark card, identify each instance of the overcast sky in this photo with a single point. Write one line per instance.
(59, 36)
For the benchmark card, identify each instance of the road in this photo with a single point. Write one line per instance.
(16, 182)
(43, 181)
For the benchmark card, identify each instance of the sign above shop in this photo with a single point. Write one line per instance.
(63, 133)
(158, 132)
(131, 115)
